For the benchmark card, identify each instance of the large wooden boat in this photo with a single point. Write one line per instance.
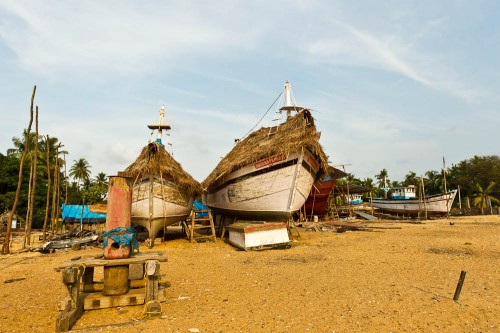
(268, 175)
(163, 193)
(403, 200)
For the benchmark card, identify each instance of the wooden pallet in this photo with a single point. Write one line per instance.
(84, 293)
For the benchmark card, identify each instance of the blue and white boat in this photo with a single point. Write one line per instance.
(354, 199)
(404, 200)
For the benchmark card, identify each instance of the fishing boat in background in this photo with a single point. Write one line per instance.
(268, 175)
(163, 193)
(404, 200)
(353, 199)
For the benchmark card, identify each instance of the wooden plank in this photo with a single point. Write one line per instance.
(366, 216)
(73, 304)
(69, 314)
(153, 276)
(139, 258)
(97, 300)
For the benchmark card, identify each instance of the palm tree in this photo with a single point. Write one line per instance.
(411, 179)
(50, 149)
(21, 144)
(433, 185)
(101, 179)
(383, 180)
(483, 197)
(80, 171)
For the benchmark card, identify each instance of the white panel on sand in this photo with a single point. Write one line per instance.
(256, 236)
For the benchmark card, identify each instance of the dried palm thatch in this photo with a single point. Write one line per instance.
(290, 137)
(155, 160)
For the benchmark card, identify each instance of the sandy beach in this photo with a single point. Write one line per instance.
(400, 278)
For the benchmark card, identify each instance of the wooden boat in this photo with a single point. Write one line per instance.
(317, 200)
(403, 200)
(163, 193)
(322, 190)
(353, 199)
(268, 175)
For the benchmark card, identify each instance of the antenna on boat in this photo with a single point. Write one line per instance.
(161, 126)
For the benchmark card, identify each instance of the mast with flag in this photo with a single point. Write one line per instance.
(445, 189)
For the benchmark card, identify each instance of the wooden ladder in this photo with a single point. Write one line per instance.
(197, 224)
(335, 213)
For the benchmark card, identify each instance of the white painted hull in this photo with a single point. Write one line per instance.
(165, 205)
(268, 190)
(437, 204)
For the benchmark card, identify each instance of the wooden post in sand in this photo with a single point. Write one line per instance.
(459, 285)
(6, 245)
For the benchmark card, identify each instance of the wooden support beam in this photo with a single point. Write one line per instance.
(152, 308)
(73, 307)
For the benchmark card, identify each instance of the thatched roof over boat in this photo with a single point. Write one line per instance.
(297, 132)
(155, 160)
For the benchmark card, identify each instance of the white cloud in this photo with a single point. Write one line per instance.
(50, 37)
(389, 53)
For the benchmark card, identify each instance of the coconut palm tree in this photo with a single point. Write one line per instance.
(483, 198)
(411, 179)
(80, 171)
(20, 144)
(383, 180)
(434, 182)
(101, 179)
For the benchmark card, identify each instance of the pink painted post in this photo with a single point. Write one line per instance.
(118, 214)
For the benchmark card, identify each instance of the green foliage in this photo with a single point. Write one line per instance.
(480, 170)
(95, 193)
(9, 169)
(411, 179)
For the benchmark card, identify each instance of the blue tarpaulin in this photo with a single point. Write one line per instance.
(199, 205)
(73, 213)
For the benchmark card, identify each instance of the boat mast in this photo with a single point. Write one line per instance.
(288, 98)
(446, 191)
(288, 104)
(160, 126)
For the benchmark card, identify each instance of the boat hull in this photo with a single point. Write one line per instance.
(158, 204)
(436, 204)
(268, 190)
(318, 198)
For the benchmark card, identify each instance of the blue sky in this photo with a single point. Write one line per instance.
(392, 84)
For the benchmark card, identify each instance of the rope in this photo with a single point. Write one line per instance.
(122, 236)
(251, 130)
